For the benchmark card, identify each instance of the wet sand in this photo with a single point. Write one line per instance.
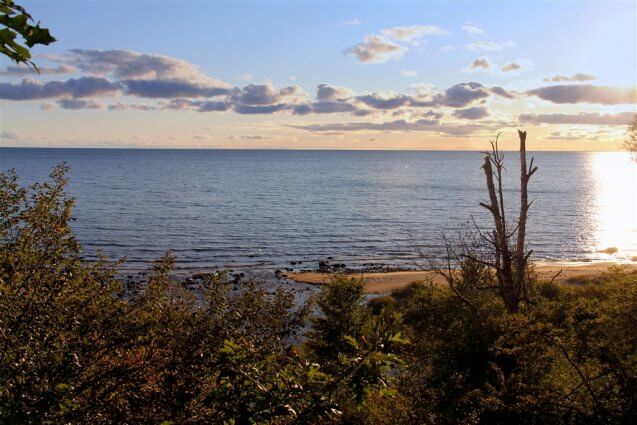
(379, 283)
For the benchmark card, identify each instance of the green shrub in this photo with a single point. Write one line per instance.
(75, 348)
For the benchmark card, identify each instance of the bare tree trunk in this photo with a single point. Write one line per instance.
(503, 257)
(525, 175)
(510, 262)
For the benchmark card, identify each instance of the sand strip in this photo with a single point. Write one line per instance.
(379, 283)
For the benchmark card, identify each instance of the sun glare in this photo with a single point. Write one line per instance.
(615, 214)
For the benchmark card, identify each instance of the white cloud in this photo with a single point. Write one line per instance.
(377, 49)
(412, 32)
(9, 135)
(391, 42)
(23, 70)
(423, 90)
(486, 65)
(487, 46)
(77, 104)
(582, 118)
(510, 67)
(472, 29)
(129, 64)
(577, 77)
(586, 93)
(480, 64)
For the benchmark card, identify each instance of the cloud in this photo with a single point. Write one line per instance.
(472, 29)
(423, 89)
(577, 77)
(385, 101)
(263, 94)
(558, 135)
(474, 113)
(431, 125)
(118, 106)
(408, 73)
(197, 105)
(30, 89)
(376, 49)
(457, 96)
(584, 118)
(9, 135)
(462, 94)
(412, 32)
(141, 75)
(484, 64)
(487, 46)
(397, 125)
(171, 88)
(331, 99)
(481, 63)
(331, 92)
(511, 66)
(586, 93)
(389, 44)
(447, 48)
(129, 64)
(352, 22)
(251, 99)
(502, 92)
(75, 104)
(22, 70)
(260, 109)
(251, 137)
(160, 77)
(324, 107)
(212, 106)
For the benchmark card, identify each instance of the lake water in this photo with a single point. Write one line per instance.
(264, 209)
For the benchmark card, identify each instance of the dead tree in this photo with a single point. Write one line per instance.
(510, 259)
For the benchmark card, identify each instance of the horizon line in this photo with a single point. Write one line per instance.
(161, 148)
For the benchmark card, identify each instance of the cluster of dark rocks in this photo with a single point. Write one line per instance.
(381, 268)
(324, 266)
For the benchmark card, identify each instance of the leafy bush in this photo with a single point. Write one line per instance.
(570, 358)
(77, 348)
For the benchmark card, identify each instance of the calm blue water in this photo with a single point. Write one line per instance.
(239, 208)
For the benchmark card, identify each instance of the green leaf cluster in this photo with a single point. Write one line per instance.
(19, 34)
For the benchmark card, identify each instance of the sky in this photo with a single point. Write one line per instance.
(442, 75)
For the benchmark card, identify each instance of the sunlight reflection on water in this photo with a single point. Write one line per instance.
(614, 217)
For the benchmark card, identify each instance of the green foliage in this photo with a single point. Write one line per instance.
(343, 320)
(570, 358)
(356, 348)
(77, 348)
(18, 31)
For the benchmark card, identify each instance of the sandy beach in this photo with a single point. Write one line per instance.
(382, 282)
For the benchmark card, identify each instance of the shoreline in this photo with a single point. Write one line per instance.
(384, 282)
